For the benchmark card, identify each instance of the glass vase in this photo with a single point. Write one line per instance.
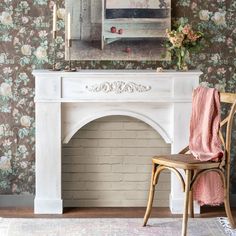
(181, 55)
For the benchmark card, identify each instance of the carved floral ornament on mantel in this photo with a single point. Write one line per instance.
(118, 87)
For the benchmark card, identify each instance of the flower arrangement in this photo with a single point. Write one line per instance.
(181, 41)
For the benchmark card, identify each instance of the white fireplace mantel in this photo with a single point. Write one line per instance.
(66, 101)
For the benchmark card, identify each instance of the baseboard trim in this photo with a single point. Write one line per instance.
(28, 201)
(16, 200)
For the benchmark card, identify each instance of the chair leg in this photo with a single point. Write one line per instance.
(227, 209)
(186, 203)
(151, 196)
(191, 207)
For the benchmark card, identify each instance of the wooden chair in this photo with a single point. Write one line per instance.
(194, 168)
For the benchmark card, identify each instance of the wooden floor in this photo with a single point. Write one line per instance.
(108, 212)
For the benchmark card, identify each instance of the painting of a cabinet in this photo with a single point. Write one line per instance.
(136, 19)
(142, 25)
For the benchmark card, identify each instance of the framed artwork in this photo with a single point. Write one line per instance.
(117, 29)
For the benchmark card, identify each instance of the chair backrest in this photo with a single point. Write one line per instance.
(227, 123)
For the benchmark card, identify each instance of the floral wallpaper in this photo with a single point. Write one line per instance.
(26, 44)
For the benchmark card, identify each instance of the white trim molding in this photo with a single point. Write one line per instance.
(118, 87)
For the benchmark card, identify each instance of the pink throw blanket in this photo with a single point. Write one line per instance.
(205, 144)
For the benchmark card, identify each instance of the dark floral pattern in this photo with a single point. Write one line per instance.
(26, 44)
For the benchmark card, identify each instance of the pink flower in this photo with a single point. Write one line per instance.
(187, 29)
(176, 39)
(192, 36)
(184, 36)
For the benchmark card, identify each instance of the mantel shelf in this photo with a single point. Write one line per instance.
(117, 72)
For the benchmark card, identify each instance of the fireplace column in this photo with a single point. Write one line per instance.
(48, 165)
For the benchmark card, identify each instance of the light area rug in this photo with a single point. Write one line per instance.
(227, 228)
(108, 227)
